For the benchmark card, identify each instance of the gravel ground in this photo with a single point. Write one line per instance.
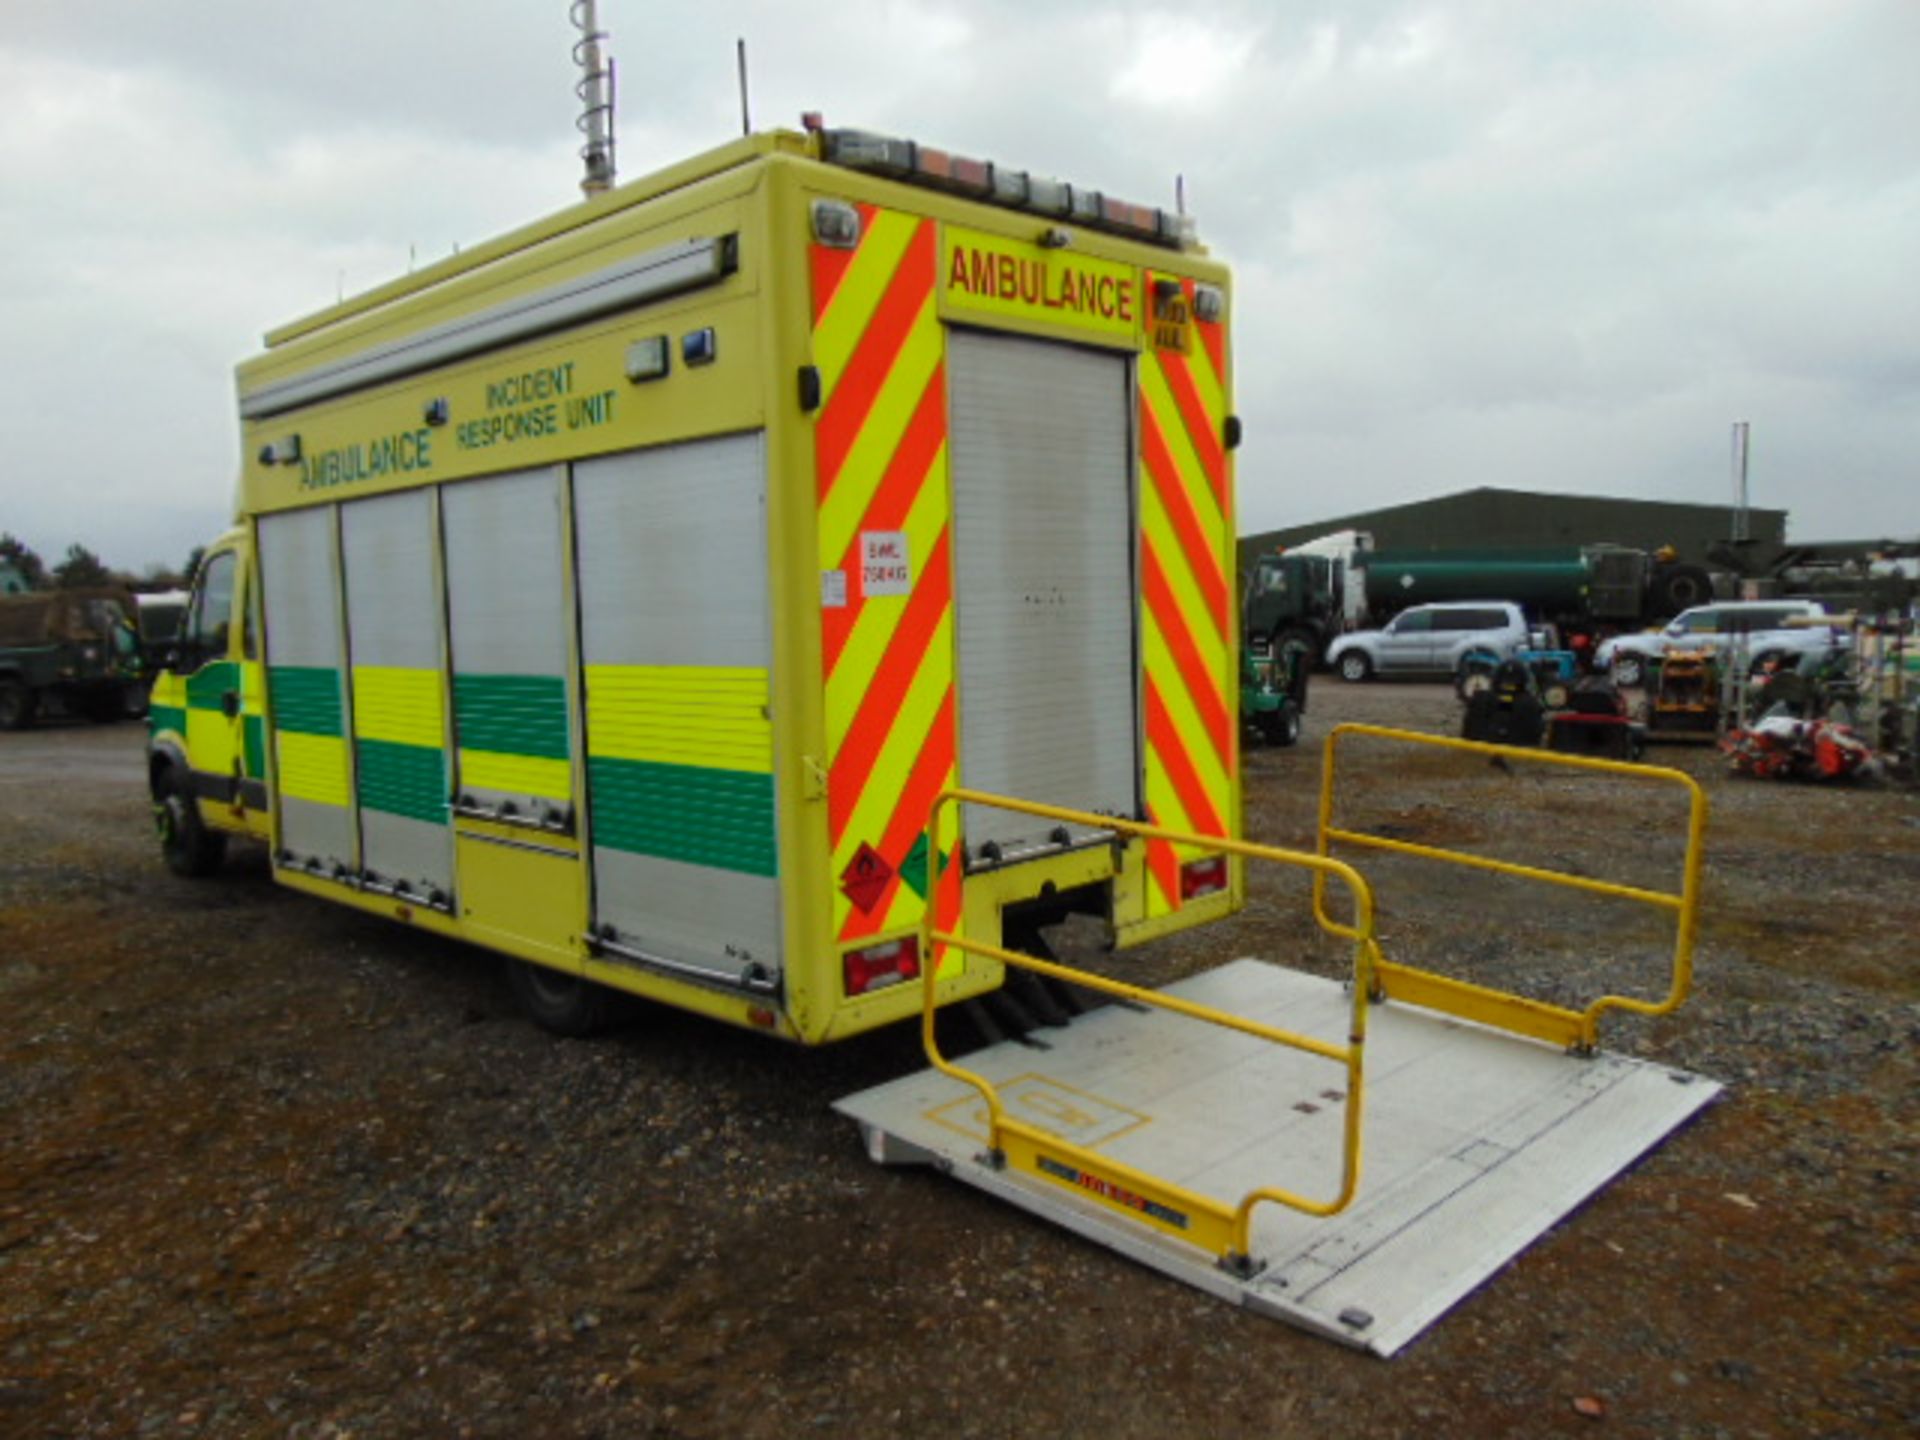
(270, 1168)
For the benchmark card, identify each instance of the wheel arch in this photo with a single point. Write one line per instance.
(162, 757)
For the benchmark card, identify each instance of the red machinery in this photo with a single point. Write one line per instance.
(1781, 747)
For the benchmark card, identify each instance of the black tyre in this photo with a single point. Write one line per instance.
(1629, 670)
(1281, 727)
(1355, 667)
(17, 704)
(1681, 587)
(1771, 662)
(565, 1004)
(1555, 694)
(1474, 673)
(1299, 641)
(188, 846)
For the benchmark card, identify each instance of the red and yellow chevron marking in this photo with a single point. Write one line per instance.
(880, 454)
(1186, 523)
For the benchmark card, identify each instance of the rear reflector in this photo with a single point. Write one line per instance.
(879, 966)
(1203, 877)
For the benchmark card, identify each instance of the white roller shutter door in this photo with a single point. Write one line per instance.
(1044, 555)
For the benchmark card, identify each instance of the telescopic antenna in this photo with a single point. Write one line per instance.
(595, 89)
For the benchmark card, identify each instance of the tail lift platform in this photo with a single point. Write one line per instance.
(1173, 1125)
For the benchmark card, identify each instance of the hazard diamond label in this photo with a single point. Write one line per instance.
(865, 879)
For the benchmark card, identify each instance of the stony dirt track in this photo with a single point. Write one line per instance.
(270, 1168)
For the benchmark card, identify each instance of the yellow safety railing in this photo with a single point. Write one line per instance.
(1576, 1029)
(1220, 1228)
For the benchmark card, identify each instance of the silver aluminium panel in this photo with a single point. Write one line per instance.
(299, 587)
(306, 661)
(509, 631)
(1476, 1142)
(394, 613)
(673, 554)
(676, 641)
(1044, 552)
(393, 595)
(506, 599)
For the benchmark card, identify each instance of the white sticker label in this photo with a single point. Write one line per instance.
(833, 589)
(884, 566)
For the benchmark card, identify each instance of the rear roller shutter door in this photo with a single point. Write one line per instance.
(1044, 555)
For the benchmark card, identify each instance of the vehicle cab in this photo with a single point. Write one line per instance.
(206, 761)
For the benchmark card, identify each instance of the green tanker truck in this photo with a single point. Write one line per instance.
(1310, 593)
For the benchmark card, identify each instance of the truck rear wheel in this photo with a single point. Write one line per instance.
(565, 1004)
(1681, 587)
(16, 704)
(1301, 640)
(188, 846)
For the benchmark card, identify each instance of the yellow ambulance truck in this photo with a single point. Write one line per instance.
(620, 593)
(780, 586)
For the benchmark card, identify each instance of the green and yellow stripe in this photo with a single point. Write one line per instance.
(680, 764)
(399, 724)
(310, 748)
(512, 732)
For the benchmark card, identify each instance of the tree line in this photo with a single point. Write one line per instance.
(82, 567)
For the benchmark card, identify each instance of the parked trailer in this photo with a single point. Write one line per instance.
(777, 587)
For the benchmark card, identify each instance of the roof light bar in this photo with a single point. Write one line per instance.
(974, 174)
(1015, 189)
(861, 151)
(1049, 197)
(1010, 187)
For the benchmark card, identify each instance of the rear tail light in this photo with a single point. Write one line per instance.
(1203, 877)
(879, 966)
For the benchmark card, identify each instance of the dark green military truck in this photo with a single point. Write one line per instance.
(72, 651)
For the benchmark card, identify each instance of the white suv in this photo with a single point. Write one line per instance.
(1430, 639)
(1761, 624)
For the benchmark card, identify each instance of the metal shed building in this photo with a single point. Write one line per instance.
(1487, 516)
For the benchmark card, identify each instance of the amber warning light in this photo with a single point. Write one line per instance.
(1001, 185)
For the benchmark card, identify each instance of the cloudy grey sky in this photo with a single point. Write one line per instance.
(1556, 246)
